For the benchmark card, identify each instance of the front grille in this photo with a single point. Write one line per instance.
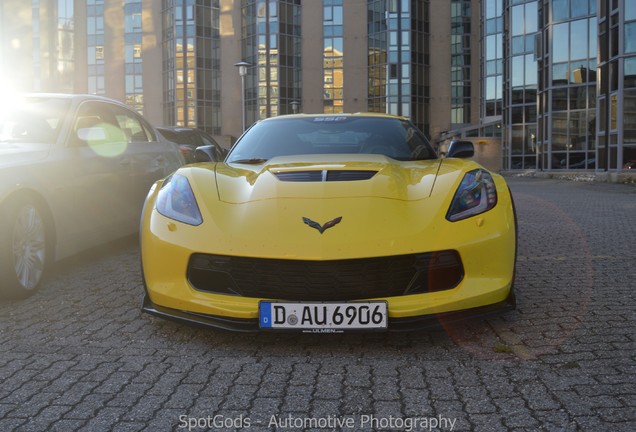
(324, 175)
(337, 280)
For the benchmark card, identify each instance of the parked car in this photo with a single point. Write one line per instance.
(330, 223)
(74, 171)
(585, 163)
(189, 139)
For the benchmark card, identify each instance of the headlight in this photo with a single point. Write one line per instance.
(176, 201)
(476, 194)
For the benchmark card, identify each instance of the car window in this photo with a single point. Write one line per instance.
(131, 125)
(208, 140)
(97, 123)
(33, 119)
(392, 137)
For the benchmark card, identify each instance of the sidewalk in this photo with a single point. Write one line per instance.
(624, 177)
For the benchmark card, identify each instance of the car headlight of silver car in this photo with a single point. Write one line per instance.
(475, 195)
(176, 201)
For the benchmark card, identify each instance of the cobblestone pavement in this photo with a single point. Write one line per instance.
(79, 355)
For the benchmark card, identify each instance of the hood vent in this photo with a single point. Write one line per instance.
(324, 175)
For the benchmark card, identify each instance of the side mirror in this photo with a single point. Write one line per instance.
(460, 149)
(205, 153)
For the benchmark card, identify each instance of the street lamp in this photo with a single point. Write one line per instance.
(242, 69)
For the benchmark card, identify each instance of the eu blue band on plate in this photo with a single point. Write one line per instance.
(265, 314)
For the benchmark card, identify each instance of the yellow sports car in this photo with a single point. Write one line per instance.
(329, 223)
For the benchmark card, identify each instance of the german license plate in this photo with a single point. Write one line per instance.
(323, 317)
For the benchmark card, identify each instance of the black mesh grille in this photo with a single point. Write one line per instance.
(326, 175)
(349, 175)
(300, 176)
(339, 280)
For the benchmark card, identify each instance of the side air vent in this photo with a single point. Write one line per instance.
(325, 175)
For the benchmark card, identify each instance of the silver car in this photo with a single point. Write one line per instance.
(74, 172)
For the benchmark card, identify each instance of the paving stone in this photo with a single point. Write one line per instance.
(79, 355)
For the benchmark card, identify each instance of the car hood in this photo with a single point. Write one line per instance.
(12, 153)
(373, 176)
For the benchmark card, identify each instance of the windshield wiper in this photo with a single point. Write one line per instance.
(252, 161)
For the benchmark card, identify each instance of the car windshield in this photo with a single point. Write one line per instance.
(32, 119)
(393, 137)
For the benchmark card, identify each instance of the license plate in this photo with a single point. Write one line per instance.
(323, 317)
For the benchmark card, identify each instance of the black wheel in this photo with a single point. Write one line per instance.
(23, 247)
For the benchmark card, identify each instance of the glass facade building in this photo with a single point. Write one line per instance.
(191, 65)
(520, 85)
(461, 55)
(492, 66)
(566, 53)
(133, 54)
(616, 107)
(552, 82)
(65, 45)
(95, 41)
(333, 56)
(399, 58)
(271, 43)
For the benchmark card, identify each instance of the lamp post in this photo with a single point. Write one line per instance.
(242, 69)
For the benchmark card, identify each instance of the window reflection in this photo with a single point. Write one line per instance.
(333, 57)
(630, 72)
(578, 36)
(630, 10)
(518, 20)
(560, 42)
(579, 8)
(560, 9)
(630, 37)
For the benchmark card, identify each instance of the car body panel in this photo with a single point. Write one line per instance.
(240, 183)
(381, 220)
(92, 194)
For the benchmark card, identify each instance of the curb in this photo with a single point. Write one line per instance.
(628, 178)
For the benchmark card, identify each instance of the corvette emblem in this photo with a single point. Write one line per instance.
(323, 228)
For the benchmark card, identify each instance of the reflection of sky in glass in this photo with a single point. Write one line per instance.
(593, 34)
(630, 66)
(531, 17)
(531, 70)
(560, 9)
(517, 20)
(578, 32)
(560, 42)
(493, 8)
(579, 8)
(630, 10)
(630, 37)
(517, 71)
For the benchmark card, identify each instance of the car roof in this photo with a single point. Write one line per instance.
(353, 115)
(72, 96)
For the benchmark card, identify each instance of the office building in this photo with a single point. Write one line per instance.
(536, 84)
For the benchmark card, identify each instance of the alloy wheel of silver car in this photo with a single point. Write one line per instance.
(29, 246)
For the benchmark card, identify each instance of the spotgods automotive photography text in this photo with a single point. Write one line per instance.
(290, 422)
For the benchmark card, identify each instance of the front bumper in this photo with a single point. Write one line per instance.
(395, 324)
(384, 228)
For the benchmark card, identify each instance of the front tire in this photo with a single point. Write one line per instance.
(23, 248)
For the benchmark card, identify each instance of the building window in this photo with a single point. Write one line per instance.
(333, 56)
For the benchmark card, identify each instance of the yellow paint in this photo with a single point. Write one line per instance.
(402, 210)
